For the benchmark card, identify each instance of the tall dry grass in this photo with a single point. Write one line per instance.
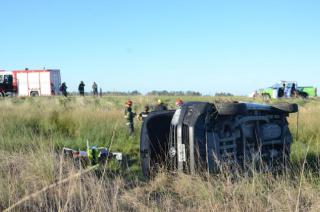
(33, 131)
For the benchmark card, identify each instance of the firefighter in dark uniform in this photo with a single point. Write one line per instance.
(129, 116)
(81, 88)
(128, 104)
(294, 90)
(160, 106)
(143, 115)
(63, 89)
(52, 89)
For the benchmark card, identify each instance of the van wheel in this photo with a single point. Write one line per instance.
(231, 108)
(266, 96)
(303, 95)
(34, 93)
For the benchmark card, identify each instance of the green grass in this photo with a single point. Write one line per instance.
(34, 130)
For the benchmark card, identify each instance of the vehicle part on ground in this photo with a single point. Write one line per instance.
(92, 156)
(202, 137)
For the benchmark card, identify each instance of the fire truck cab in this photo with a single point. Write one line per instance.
(6, 83)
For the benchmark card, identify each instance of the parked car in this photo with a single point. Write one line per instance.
(203, 136)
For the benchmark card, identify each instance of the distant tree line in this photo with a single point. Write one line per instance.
(223, 94)
(174, 93)
(111, 93)
(121, 93)
(152, 93)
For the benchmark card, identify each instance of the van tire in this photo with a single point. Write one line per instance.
(229, 109)
(266, 96)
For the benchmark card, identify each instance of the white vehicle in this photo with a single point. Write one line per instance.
(30, 82)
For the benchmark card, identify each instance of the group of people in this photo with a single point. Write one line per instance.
(63, 89)
(94, 88)
(288, 91)
(129, 115)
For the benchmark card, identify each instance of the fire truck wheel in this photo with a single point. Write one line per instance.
(34, 93)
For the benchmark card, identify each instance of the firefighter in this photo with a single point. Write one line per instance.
(128, 104)
(129, 118)
(281, 90)
(52, 89)
(294, 90)
(81, 88)
(129, 115)
(160, 106)
(143, 115)
(179, 103)
(95, 89)
(63, 89)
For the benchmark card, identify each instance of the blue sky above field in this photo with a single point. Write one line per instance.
(207, 46)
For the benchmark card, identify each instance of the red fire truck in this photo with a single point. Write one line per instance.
(30, 82)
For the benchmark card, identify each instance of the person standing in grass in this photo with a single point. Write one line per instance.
(63, 89)
(81, 88)
(129, 118)
(128, 104)
(53, 92)
(95, 89)
(160, 106)
(143, 115)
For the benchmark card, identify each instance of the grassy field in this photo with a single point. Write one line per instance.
(33, 132)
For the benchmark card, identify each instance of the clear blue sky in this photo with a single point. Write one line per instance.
(227, 45)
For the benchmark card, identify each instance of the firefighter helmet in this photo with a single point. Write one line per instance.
(179, 102)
